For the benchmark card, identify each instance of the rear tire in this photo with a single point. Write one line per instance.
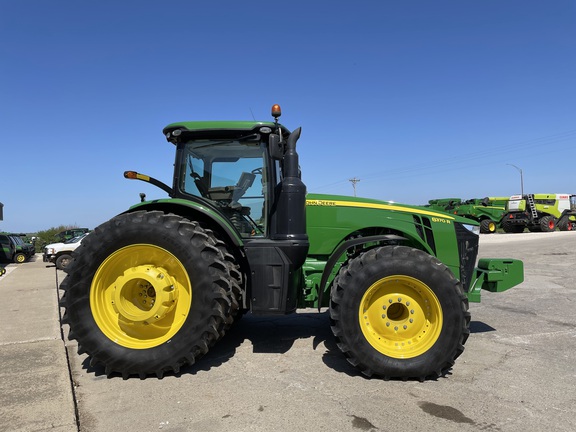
(398, 312)
(548, 223)
(146, 293)
(512, 228)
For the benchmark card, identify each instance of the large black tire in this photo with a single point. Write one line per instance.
(512, 228)
(234, 292)
(565, 225)
(398, 312)
(548, 223)
(487, 226)
(63, 261)
(147, 293)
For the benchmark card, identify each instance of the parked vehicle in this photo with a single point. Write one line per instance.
(66, 235)
(2, 269)
(155, 287)
(540, 212)
(61, 253)
(487, 211)
(14, 249)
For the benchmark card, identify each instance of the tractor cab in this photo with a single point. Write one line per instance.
(248, 171)
(232, 173)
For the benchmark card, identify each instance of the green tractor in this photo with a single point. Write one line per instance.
(540, 212)
(2, 269)
(486, 211)
(154, 288)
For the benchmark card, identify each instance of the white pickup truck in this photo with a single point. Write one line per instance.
(61, 253)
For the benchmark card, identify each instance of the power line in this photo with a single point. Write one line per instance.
(463, 160)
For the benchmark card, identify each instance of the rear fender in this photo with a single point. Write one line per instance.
(193, 211)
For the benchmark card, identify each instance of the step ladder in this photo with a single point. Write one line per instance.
(532, 206)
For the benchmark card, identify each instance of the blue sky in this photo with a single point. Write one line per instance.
(418, 99)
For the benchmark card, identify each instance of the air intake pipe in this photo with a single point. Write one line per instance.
(290, 209)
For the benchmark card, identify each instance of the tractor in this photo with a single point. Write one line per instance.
(153, 289)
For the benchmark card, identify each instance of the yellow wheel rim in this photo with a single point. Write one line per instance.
(140, 296)
(491, 227)
(400, 317)
(20, 258)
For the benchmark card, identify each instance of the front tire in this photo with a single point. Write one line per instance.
(487, 226)
(548, 223)
(398, 312)
(146, 293)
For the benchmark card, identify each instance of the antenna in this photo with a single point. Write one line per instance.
(253, 118)
(354, 181)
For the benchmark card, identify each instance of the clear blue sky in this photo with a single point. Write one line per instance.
(418, 99)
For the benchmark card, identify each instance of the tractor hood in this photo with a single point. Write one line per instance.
(366, 203)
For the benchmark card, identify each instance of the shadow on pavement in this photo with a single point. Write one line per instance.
(271, 335)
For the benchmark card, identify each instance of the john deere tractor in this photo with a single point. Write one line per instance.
(154, 288)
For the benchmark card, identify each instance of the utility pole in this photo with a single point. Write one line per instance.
(521, 178)
(354, 181)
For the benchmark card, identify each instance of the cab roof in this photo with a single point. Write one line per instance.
(217, 129)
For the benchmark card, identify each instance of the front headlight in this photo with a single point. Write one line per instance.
(475, 229)
(49, 251)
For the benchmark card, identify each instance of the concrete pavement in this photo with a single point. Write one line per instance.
(35, 389)
(517, 373)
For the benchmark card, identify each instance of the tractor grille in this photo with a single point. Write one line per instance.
(424, 230)
(468, 251)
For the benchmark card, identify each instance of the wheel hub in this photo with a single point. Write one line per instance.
(400, 316)
(143, 295)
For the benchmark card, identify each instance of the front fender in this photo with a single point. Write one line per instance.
(343, 248)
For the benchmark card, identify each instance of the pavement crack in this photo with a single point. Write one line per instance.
(68, 364)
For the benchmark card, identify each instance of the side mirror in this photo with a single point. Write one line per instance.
(275, 147)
